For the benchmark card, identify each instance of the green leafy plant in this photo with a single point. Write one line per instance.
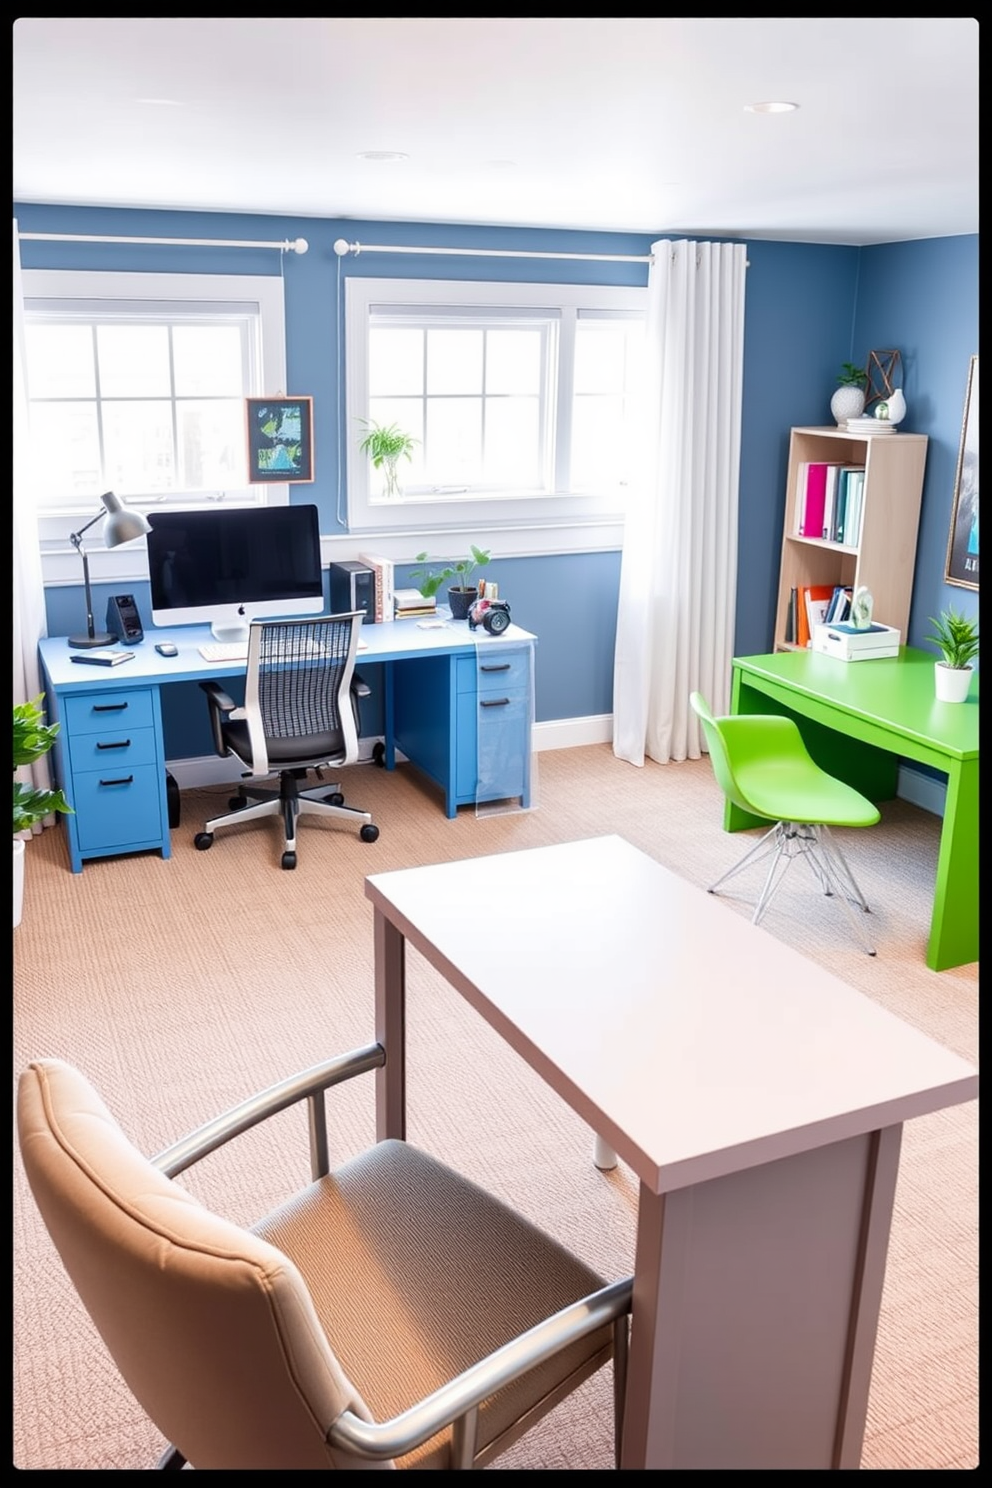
(385, 443)
(33, 737)
(852, 376)
(956, 636)
(429, 578)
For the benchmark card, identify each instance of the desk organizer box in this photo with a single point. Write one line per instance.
(849, 644)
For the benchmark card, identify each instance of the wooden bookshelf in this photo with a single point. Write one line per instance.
(884, 555)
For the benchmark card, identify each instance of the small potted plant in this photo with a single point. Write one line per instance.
(386, 445)
(429, 578)
(956, 637)
(848, 400)
(33, 737)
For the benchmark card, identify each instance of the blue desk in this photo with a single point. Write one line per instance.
(458, 704)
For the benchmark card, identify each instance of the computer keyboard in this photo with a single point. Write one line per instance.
(224, 651)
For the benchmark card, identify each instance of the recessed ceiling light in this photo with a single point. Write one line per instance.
(770, 108)
(382, 155)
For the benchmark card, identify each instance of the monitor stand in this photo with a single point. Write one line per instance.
(235, 631)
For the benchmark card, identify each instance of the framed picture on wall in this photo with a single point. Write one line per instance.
(280, 439)
(962, 543)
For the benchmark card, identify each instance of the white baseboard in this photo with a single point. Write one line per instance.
(559, 733)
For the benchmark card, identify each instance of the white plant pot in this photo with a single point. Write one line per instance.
(18, 879)
(951, 683)
(847, 402)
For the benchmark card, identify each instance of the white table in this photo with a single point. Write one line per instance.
(758, 1099)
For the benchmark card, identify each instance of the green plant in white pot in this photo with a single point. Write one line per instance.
(956, 637)
(386, 445)
(429, 578)
(33, 738)
(848, 400)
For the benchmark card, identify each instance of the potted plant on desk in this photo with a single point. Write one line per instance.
(956, 636)
(33, 737)
(463, 592)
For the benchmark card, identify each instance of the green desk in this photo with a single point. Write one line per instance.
(858, 720)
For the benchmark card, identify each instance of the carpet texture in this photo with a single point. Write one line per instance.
(181, 986)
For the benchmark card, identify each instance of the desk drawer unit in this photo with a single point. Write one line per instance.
(494, 704)
(115, 773)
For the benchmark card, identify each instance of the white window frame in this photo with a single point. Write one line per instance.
(60, 562)
(492, 513)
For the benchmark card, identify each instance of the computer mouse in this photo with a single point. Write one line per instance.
(166, 648)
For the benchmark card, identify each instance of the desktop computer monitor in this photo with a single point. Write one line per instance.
(229, 567)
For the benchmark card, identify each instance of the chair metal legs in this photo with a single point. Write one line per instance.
(289, 803)
(815, 843)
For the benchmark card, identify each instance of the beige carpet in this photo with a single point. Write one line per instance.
(181, 986)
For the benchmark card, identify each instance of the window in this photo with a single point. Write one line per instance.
(136, 384)
(525, 395)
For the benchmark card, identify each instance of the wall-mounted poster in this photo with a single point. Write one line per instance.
(962, 544)
(280, 439)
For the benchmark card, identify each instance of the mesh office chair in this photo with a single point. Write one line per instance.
(391, 1313)
(763, 766)
(300, 713)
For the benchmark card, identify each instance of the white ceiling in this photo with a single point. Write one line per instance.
(601, 124)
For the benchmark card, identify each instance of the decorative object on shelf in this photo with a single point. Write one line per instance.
(848, 400)
(33, 738)
(893, 408)
(429, 579)
(280, 439)
(956, 637)
(121, 526)
(962, 544)
(386, 445)
(869, 424)
(883, 367)
(861, 607)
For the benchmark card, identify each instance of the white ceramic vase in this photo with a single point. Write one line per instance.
(897, 407)
(847, 402)
(951, 684)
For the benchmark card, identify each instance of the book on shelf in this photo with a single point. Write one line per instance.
(802, 469)
(382, 579)
(855, 506)
(843, 494)
(811, 603)
(840, 605)
(790, 618)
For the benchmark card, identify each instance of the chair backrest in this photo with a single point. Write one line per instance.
(735, 740)
(212, 1328)
(298, 685)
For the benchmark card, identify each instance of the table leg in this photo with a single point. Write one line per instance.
(954, 923)
(756, 1302)
(603, 1155)
(390, 1027)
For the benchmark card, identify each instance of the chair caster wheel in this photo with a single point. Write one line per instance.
(379, 755)
(335, 799)
(203, 840)
(369, 833)
(289, 860)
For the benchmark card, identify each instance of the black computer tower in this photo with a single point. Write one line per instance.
(352, 587)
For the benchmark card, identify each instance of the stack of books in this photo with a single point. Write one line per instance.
(410, 602)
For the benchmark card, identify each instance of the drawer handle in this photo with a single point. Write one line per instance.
(493, 702)
(503, 666)
(109, 707)
(120, 744)
(124, 780)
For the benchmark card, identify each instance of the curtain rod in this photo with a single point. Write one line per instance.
(288, 245)
(342, 246)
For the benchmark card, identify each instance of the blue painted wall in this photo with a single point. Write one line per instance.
(808, 309)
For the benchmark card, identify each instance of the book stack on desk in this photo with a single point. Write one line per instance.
(410, 603)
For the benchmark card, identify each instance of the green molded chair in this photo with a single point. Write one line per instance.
(763, 766)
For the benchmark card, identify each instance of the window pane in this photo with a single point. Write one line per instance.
(600, 357)
(138, 454)
(454, 361)
(133, 361)
(60, 361)
(211, 444)
(513, 361)
(513, 454)
(65, 451)
(598, 460)
(396, 362)
(207, 361)
(453, 447)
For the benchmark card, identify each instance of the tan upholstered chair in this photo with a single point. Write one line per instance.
(392, 1314)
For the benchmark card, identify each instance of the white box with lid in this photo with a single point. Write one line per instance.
(849, 644)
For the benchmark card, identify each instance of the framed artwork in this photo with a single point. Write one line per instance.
(962, 542)
(280, 439)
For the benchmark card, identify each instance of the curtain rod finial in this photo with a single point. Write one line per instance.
(341, 247)
(300, 245)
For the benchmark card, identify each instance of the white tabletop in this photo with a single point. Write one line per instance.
(693, 1042)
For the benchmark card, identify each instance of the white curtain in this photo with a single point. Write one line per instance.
(29, 623)
(678, 575)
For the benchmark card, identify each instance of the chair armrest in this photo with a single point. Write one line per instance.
(394, 1438)
(218, 698)
(307, 1085)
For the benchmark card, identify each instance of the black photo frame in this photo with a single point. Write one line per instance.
(280, 439)
(962, 542)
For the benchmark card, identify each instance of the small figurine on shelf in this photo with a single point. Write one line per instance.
(861, 608)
